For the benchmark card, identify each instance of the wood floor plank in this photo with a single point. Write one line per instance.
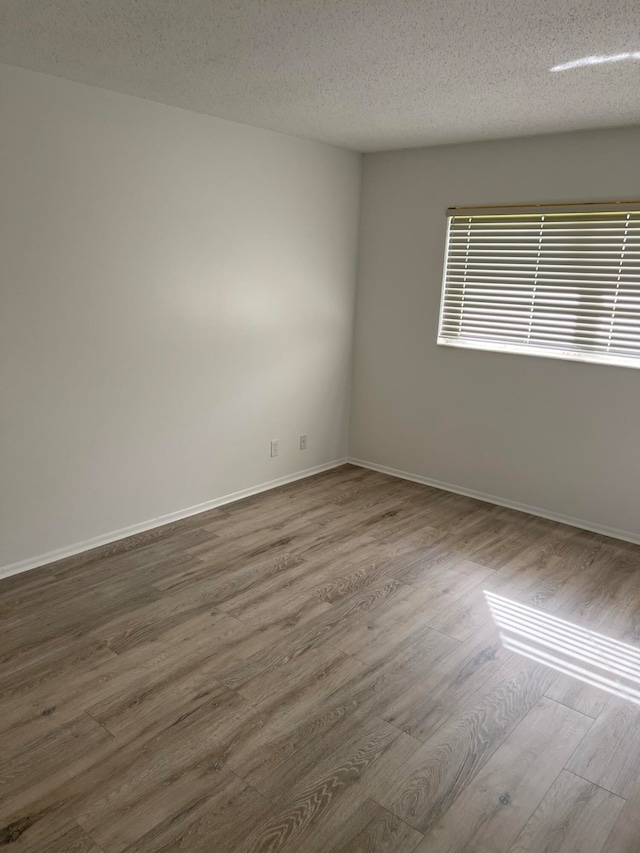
(385, 833)
(215, 562)
(256, 658)
(362, 566)
(446, 511)
(575, 816)
(55, 660)
(494, 807)
(115, 683)
(334, 589)
(171, 695)
(608, 599)
(216, 584)
(420, 710)
(346, 822)
(290, 719)
(288, 593)
(426, 563)
(214, 821)
(122, 824)
(117, 790)
(398, 671)
(26, 763)
(152, 620)
(466, 614)
(409, 610)
(400, 751)
(294, 818)
(566, 572)
(624, 836)
(67, 617)
(493, 541)
(453, 755)
(576, 694)
(316, 669)
(71, 838)
(160, 780)
(287, 742)
(610, 754)
(336, 825)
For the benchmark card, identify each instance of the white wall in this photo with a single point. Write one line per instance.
(176, 290)
(557, 435)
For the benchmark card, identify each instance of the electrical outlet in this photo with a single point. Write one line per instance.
(303, 442)
(275, 447)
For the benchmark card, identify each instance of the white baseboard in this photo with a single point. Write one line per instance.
(123, 533)
(614, 532)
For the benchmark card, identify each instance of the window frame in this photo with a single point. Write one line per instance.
(537, 351)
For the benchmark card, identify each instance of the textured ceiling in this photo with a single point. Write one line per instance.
(364, 74)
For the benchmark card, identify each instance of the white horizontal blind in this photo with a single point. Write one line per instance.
(544, 282)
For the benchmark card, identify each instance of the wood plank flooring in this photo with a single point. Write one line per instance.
(348, 663)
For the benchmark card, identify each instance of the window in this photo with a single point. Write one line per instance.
(553, 281)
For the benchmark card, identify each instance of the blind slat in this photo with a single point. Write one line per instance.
(526, 330)
(587, 321)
